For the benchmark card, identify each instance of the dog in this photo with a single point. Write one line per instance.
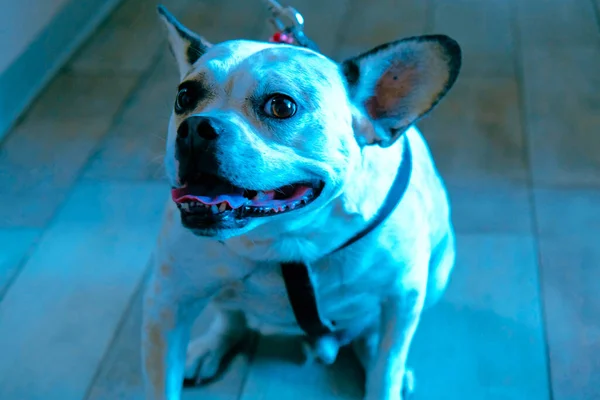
(276, 154)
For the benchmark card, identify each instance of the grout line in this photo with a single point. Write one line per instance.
(596, 11)
(120, 324)
(430, 16)
(22, 261)
(520, 78)
(339, 34)
(77, 179)
(252, 352)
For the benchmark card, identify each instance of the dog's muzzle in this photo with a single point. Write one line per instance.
(196, 146)
(208, 200)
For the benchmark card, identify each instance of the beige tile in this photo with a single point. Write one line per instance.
(568, 212)
(72, 96)
(66, 304)
(129, 40)
(120, 375)
(379, 22)
(475, 132)
(570, 276)
(30, 210)
(134, 147)
(485, 339)
(277, 372)
(562, 102)
(228, 20)
(323, 21)
(15, 247)
(479, 206)
(484, 31)
(39, 161)
(556, 23)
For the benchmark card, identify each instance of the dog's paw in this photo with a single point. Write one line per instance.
(324, 350)
(408, 386)
(206, 355)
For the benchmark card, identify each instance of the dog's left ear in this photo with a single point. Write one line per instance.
(186, 46)
(397, 83)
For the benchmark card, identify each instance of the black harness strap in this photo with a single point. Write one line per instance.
(298, 278)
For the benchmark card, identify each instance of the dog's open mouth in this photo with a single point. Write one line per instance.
(212, 196)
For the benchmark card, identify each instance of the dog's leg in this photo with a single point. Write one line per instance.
(204, 354)
(387, 375)
(165, 335)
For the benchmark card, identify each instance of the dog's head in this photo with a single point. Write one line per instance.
(264, 132)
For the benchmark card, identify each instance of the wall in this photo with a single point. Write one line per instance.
(36, 38)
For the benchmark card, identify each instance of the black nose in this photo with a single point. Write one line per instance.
(196, 147)
(200, 127)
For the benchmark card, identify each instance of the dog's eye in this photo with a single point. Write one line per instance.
(280, 106)
(185, 100)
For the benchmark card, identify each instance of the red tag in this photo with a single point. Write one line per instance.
(279, 37)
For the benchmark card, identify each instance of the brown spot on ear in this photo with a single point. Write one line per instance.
(395, 84)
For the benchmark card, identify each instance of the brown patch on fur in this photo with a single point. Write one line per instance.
(167, 317)
(222, 271)
(228, 88)
(166, 269)
(395, 84)
(155, 358)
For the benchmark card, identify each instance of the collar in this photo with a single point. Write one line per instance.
(298, 277)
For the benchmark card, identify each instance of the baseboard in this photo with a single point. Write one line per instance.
(22, 81)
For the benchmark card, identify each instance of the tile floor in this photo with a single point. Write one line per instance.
(518, 141)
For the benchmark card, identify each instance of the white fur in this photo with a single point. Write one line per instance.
(377, 287)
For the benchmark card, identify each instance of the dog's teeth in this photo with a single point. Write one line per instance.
(185, 206)
(214, 209)
(223, 207)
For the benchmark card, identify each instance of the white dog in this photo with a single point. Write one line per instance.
(304, 200)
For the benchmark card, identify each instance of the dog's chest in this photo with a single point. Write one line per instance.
(349, 300)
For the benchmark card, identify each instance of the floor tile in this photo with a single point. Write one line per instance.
(563, 116)
(570, 277)
(65, 305)
(479, 206)
(365, 27)
(475, 132)
(120, 375)
(556, 23)
(568, 212)
(73, 96)
(39, 162)
(15, 246)
(485, 339)
(134, 147)
(278, 372)
(128, 41)
(482, 28)
(322, 22)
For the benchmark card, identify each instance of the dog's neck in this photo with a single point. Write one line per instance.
(318, 234)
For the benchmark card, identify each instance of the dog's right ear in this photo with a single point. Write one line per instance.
(186, 46)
